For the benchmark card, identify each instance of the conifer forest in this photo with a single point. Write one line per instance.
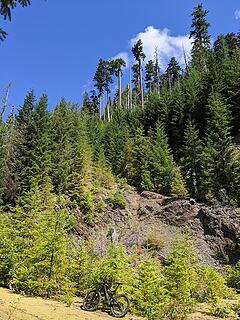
(174, 132)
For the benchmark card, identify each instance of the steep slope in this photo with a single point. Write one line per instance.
(152, 220)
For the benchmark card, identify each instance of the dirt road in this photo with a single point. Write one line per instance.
(17, 307)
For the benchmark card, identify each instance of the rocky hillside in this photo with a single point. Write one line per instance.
(154, 221)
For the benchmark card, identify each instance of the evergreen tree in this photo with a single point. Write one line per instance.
(191, 159)
(25, 125)
(6, 6)
(41, 158)
(34, 151)
(220, 48)
(81, 181)
(178, 186)
(201, 38)
(108, 72)
(39, 232)
(99, 79)
(233, 42)
(136, 82)
(182, 276)
(149, 294)
(139, 55)
(62, 126)
(149, 75)
(9, 151)
(157, 109)
(230, 87)
(173, 72)
(161, 162)
(6, 253)
(217, 153)
(157, 82)
(117, 66)
(138, 171)
(176, 121)
(90, 104)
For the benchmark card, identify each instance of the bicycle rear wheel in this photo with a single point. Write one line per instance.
(120, 306)
(92, 300)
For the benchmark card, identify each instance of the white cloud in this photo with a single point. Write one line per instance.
(124, 56)
(237, 14)
(167, 45)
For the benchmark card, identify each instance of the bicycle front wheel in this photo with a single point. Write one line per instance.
(120, 306)
(92, 300)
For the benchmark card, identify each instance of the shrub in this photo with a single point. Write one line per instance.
(148, 291)
(233, 276)
(82, 264)
(212, 286)
(178, 186)
(115, 267)
(117, 200)
(155, 240)
(6, 254)
(182, 277)
(223, 310)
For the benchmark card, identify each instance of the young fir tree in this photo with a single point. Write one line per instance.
(191, 88)
(6, 252)
(25, 126)
(148, 289)
(34, 147)
(81, 180)
(191, 159)
(201, 38)
(139, 168)
(220, 49)
(41, 158)
(231, 79)
(157, 108)
(40, 224)
(117, 142)
(178, 185)
(217, 153)
(176, 120)
(83, 261)
(62, 125)
(161, 161)
(182, 277)
(9, 142)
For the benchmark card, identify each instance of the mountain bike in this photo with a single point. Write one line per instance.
(119, 304)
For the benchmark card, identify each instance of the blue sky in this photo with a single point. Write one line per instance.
(54, 47)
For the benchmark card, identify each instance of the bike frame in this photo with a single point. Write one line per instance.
(108, 294)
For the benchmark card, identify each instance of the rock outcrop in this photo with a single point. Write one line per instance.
(152, 217)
